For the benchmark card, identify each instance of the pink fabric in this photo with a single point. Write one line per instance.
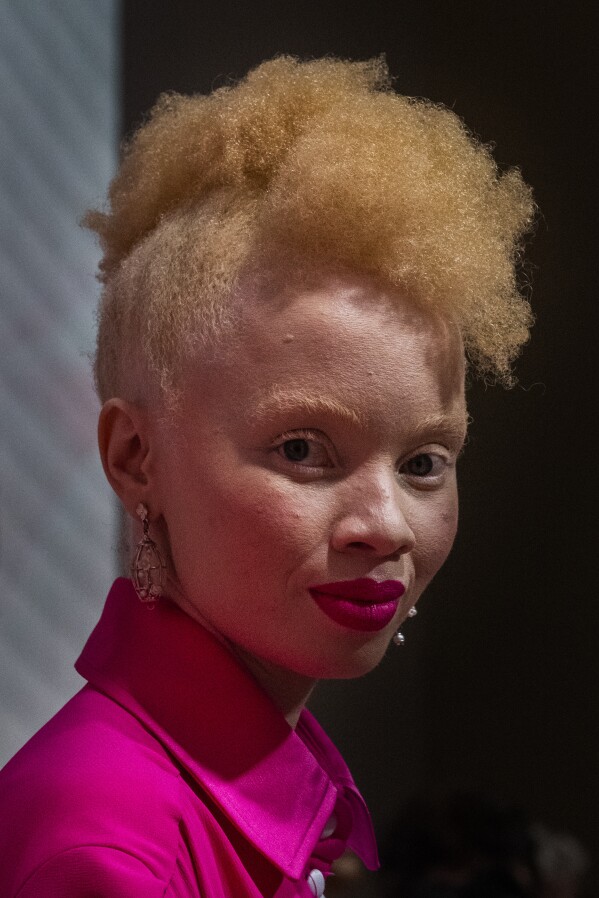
(172, 774)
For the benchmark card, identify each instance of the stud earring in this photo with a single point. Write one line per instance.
(412, 612)
(147, 569)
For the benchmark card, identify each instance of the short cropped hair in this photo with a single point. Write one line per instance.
(320, 161)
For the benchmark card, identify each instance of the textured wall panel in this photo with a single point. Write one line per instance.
(58, 139)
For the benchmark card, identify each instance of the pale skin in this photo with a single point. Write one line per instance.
(319, 446)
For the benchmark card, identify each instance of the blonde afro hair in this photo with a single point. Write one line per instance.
(319, 160)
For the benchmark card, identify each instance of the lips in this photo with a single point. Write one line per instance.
(362, 604)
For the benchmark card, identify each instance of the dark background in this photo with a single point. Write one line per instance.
(495, 688)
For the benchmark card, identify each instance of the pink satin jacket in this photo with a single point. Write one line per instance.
(172, 774)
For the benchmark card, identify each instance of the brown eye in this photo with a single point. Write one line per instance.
(296, 450)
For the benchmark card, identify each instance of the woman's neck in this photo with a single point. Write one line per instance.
(288, 690)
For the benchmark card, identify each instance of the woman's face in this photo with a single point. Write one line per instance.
(319, 449)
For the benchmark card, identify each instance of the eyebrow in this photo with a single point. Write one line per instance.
(279, 400)
(455, 426)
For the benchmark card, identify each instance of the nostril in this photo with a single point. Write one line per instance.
(392, 552)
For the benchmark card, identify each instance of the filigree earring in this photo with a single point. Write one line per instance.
(148, 568)
(398, 637)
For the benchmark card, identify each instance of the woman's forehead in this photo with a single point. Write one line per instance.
(327, 300)
(349, 350)
(349, 324)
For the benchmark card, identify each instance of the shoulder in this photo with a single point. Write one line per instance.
(92, 780)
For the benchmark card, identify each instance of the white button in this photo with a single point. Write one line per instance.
(316, 883)
(330, 827)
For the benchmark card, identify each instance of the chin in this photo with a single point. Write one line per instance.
(348, 665)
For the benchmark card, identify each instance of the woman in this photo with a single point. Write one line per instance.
(295, 269)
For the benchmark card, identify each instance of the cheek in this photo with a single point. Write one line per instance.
(435, 533)
(272, 527)
(255, 523)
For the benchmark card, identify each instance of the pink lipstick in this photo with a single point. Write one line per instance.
(363, 604)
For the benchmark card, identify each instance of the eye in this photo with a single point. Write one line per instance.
(296, 450)
(428, 466)
(420, 465)
(306, 450)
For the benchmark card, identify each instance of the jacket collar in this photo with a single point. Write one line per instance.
(278, 786)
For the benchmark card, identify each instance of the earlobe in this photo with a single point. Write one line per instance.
(125, 449)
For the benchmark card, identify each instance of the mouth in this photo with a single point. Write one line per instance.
(362, 604)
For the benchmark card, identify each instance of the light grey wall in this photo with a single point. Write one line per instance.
(59, 83)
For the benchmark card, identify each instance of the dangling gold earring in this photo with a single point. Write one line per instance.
(148, 568)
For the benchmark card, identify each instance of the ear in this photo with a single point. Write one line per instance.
(125, 444)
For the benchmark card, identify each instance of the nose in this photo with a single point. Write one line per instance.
(374, 520)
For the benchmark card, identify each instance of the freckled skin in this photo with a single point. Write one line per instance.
(248, 531)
